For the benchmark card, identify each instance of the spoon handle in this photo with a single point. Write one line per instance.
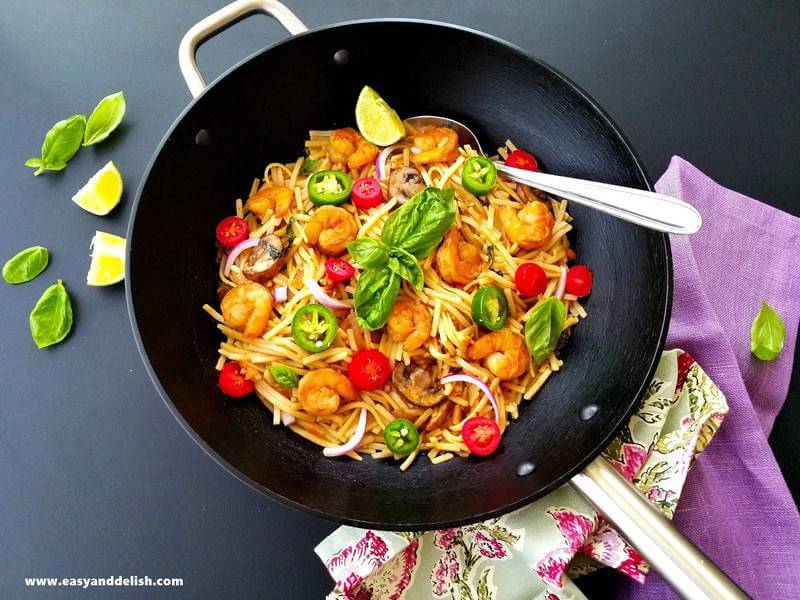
(648, 209)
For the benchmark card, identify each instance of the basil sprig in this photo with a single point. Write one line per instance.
(543, 328)
(51, 318)
(60, 144)
(284, 376)
(410, 233)
(767, 333)
(105, 118)
(420, 224)
(375, 295)
(406, 266)
(368, 252)
(26, 265)
(65, 137)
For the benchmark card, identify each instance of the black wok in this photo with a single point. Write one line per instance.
(260, 111)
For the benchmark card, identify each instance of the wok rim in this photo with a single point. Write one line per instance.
(347, 520)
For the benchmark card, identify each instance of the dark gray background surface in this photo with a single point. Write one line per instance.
(96, 477)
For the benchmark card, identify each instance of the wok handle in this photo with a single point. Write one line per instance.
(687, 570)
(220, 21)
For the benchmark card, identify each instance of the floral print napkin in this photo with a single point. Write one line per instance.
(535, 552)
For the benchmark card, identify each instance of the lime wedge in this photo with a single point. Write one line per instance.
(376, 120)
(108, 259)
(102, 192)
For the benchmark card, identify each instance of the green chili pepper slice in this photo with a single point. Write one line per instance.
(314, 328)
(329, 187)
(401, 437)
(479, 175)
(490, 308)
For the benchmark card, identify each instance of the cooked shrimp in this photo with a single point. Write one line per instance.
(321, 390)
(331, 228)
(410, 323)
(530, 227)
(277, 198)
(247, 308)
(439, 144)
(347, 146)
(505, 352)
(458, 261)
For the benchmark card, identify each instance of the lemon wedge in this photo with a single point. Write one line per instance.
(376, 120)
(108, 259)
(102, 192)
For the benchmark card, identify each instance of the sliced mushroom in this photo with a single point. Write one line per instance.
(404, 183)
(224, 288)
(265, 260)
(416, 384)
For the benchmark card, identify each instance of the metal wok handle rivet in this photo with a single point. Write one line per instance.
(525, 468)
(221, 20)
(589, 411)
(203, 138)
(341, 57)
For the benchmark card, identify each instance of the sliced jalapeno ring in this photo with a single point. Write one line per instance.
(479, 175)
(314, 328)
(490, 308)
(401, 437)
(329, 187)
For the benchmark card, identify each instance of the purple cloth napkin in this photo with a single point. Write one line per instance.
(735, 505)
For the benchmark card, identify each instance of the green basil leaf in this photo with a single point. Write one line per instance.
(368, 252)
(309, 166)
(26, 265)
(543, 328)
(420, 224)
(105, 118)
(60, 144)
(405, 265)
(284, 376)
(767, 333)
(51, 318)
(376, 293)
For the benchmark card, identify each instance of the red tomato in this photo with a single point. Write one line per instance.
(338, 269)
(530, 279)
(366, 193)
(232, 231)
(232, 381)
(522, 160)
(579, 281)
(369, 369)
(481, 435)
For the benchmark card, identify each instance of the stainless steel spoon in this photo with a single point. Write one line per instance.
(648, 209)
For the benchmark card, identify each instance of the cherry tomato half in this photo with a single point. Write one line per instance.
(481, 435)
(579, 281)
(232, 381)
(530, 279)
(520, 159)
(366, 193)
(369, 369)
(338, 269)
(232, 231)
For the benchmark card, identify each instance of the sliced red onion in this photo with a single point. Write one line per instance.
(483, 387)
(281, 294)
(237, 250)
(323, 298)
(354, 441)
(380, 161)
(287, 419)
(562, 283)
